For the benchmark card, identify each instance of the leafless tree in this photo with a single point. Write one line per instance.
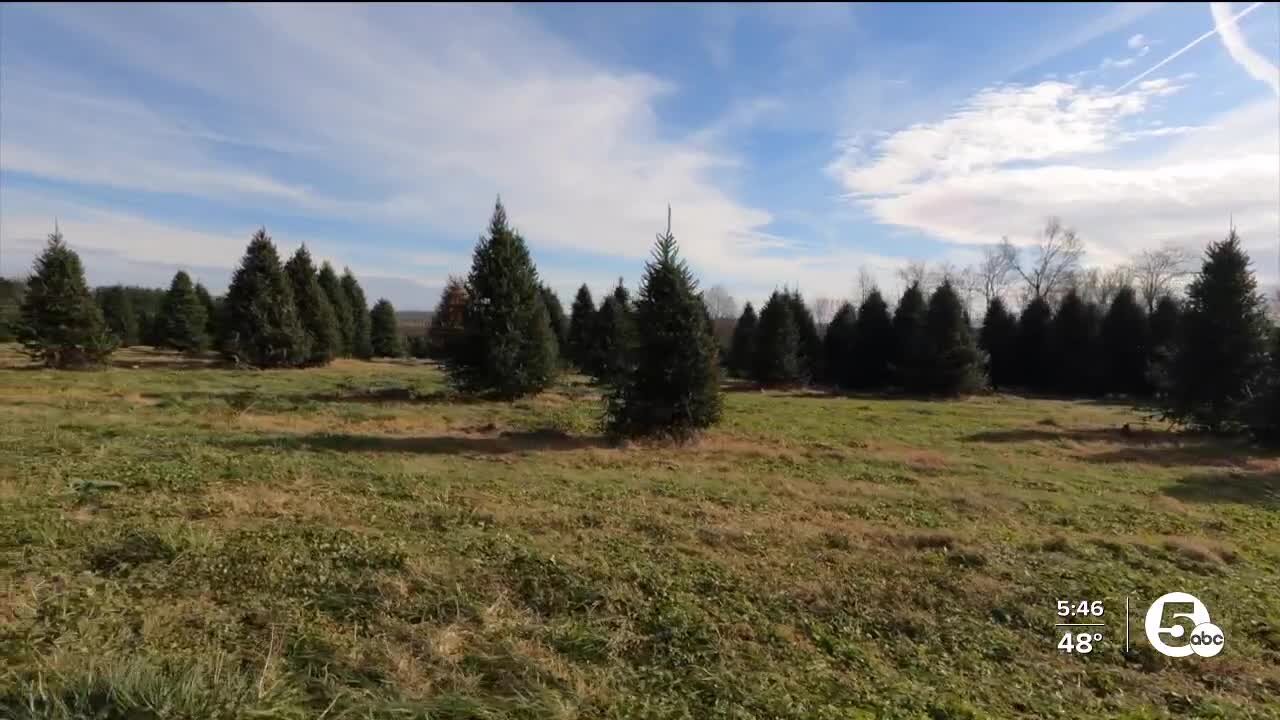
(915, 272)
(720, 303)
(1056, 259)
(995, 272)
(1159, 272)
(1101, 286)
(824, 308)
(866, 284)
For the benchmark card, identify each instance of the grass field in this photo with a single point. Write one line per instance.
(356, 542)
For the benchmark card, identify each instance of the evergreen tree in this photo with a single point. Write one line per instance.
(210, 311)
(11, 291)
(419, 347)
(182, 317)
(999, 339)
(1036, 365)
(810, 342)
(955, 363)
(581, 329)
(341, 307)
(384, 331)
(874, 343)
(1076, 345)
(507, 347)
(361, 343)
(559, 323)
(446, 323)
(260, 319)
(743, 345)
(776, 360)
(1218, 365)
(613, 345)
(60, 325)
(1126, 342)
(838, 347)
(314, 310)
(1165, 323)
(911, 356)
(1264, 417)
(118, 312)
(674, 388)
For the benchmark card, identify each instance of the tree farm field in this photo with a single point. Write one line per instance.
(355, 541)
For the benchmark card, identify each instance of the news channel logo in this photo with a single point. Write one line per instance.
(1182, 619)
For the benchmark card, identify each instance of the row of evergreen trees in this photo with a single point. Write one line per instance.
(273, 315)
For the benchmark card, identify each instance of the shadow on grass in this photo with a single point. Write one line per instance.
(503, 444)
(1260, 489)
(1139, 436)
(1145, 446)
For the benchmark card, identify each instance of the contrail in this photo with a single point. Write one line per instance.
(1189, 45)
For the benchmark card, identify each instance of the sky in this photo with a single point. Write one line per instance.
(796, 145)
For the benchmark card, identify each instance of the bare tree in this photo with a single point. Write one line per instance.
(1160, 271)
(720, 303)
(866, 284)
(1056, 260)
(994, 273)
(1099, 286)
(915, 272)
(824, 308)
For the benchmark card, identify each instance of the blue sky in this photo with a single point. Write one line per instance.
(797, 145)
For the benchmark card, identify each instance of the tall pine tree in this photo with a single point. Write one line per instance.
(260, 320)
(555, 316)
(118, 312)
(314, 310)
(60, 325)
(810, 342)
(838, 347)
(446, 322)
(999, 339)
(182, 317)
(911, 357)
(341, 306)
(674, 388)
(776, 360)
(582, 317)
(1126, 342)
(874, 341)
(1035, 359)
(507, 347)
(1165, 323)
(1264, 416)
(955, 363)
(384, 332)
(1076, 345)
(613, 345)
(210, 311)
(742, 347)
(361, 343)
(1217, 367)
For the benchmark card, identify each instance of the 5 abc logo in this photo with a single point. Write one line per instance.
(1184, 619)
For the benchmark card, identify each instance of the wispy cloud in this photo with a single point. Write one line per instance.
(1137, 41)
(1230, 21)
(1251, 60)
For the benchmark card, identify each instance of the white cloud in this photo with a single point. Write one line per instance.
(1251, 60)
(1137, 41)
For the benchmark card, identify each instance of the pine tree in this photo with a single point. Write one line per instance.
(384, 331)
(182, 317)
(613, 345)
(1165, 322)
(314, 310)
(911, 357)
(260, 319)
(1036, 365)
(674, 388)
(559, 323)
(743, 345)
(810, 342)
(118, 312)
(361, 343)
(1126, 342)
(776, 360)
(999, 340)
(341, 306)
(11, 291)
(60, 325)
(838, 347)
(955, 363)
(874, 341)
(1264, 416)
(446, 323)
(581, 329)
(1219, 362)
(1075, 339)
(507, 347)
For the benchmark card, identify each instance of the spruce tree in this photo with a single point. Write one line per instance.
(743, 345)
(384, 331)
(118, 312)
(182, 317)
(776, 359)
(1165, 322)
(999, 340)
(1075, 339)
(838, 347)
(260, 319)
(210, 311)
(911, 357)
(1218, 365)
(874, 341)
(1126, 342)
(341, 306)
(314, 310)
(1035, 360)
(60, 325)
(1264, 416)
(361, 343)
(955, 363)
(613, 345)
(810, 342)
(674, 388)
(507, 347)
(446, 323)
(581, 329)
(11, 291)
(559, 323)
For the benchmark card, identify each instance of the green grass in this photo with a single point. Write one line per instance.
(181, 541)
